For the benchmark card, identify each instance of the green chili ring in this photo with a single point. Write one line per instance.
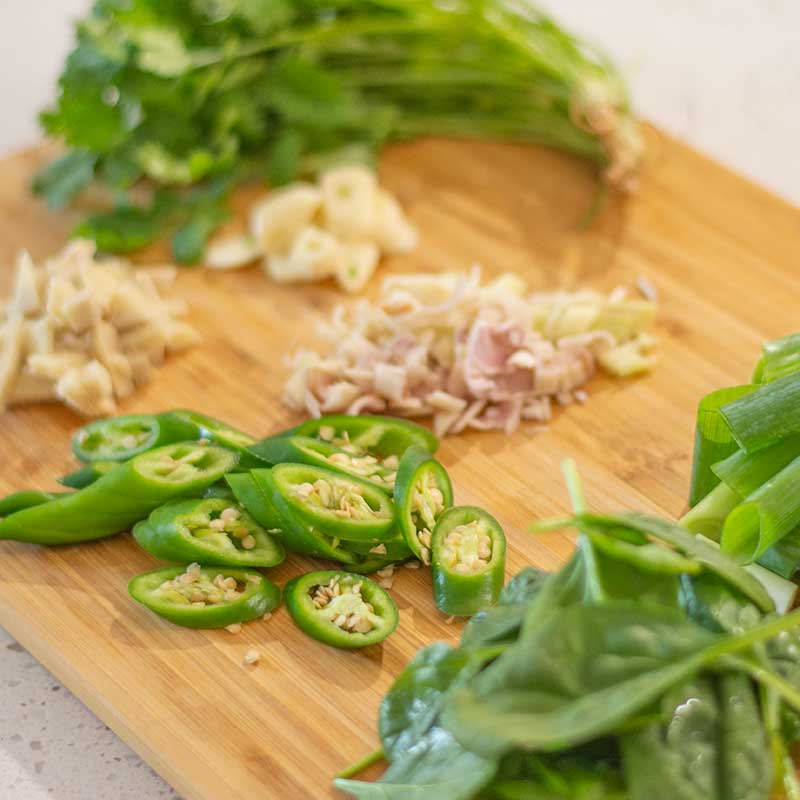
(343, 506)
(159, 591)
(382, 436)
(122, 438)
(297, 535)
(422, 493)
(214, 431)
(341, 609)
(307, 450)
(468, 561)
(212, 531)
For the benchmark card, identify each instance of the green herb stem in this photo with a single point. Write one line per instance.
(363, 763)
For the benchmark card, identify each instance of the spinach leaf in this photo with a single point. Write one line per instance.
(716, 605)
(501, 623)
(575, 776)
(435, 768)
(745, 758)
(678, 759)
(412, 704)
(584, 671)
(689, 544)
(523, 587)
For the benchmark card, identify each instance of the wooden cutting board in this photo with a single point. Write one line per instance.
(725, 258)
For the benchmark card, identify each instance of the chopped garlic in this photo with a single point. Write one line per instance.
(357, 262)
(307, 233)
(94, 331)
(349, 199)
(231, 252)
(277, 219)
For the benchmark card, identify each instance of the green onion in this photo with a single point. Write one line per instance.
(746, 472)
(765, 517)
(780, 357)
(709, 515)
(783, 558)
(712, 440)
(767, 415)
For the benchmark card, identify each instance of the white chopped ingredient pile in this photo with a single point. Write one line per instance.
(470, 354)
(337, 229)
(86, 331)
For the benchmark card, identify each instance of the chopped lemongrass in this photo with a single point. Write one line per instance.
(630, 358)
(765, 517)
(780, 357)
(746, 472)
(713, 440)
(767, 415)
(709, 515)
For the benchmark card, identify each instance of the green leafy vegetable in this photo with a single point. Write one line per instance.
(192, 92)
(651, 666)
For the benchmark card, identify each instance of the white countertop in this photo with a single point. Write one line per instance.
(721, 74)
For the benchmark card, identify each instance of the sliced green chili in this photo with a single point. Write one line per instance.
(381, 436)
(205, 597)
(297, 535)
(215, 431)
(307, 450)
(343, 506)
(28, 498)
(121, 498)
(213, 531)
(121, 438)
(468, 559)
(341, 609)
(253, 496)
(87, 474)
(422, 493)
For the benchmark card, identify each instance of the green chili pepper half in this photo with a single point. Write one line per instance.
(210, 532)
(27, 498)
(216, 432)
(122, 497)
(422, 493)
(468, 560)
(380, 436)
(122, 438)
(205, 597)
(341, 609)
(259, 496)
(307, 450)
(342, 506)
(87, 474)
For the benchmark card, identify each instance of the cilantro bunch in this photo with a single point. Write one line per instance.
(170, 103)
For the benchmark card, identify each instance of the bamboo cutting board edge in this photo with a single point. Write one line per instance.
(511, 207)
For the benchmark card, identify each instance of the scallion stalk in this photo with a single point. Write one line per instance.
(746, 472)
(713, 440)
(761, 418)
(780, 357)
(765, 517)
(709, 515)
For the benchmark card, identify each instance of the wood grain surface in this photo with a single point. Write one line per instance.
(725, 257)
